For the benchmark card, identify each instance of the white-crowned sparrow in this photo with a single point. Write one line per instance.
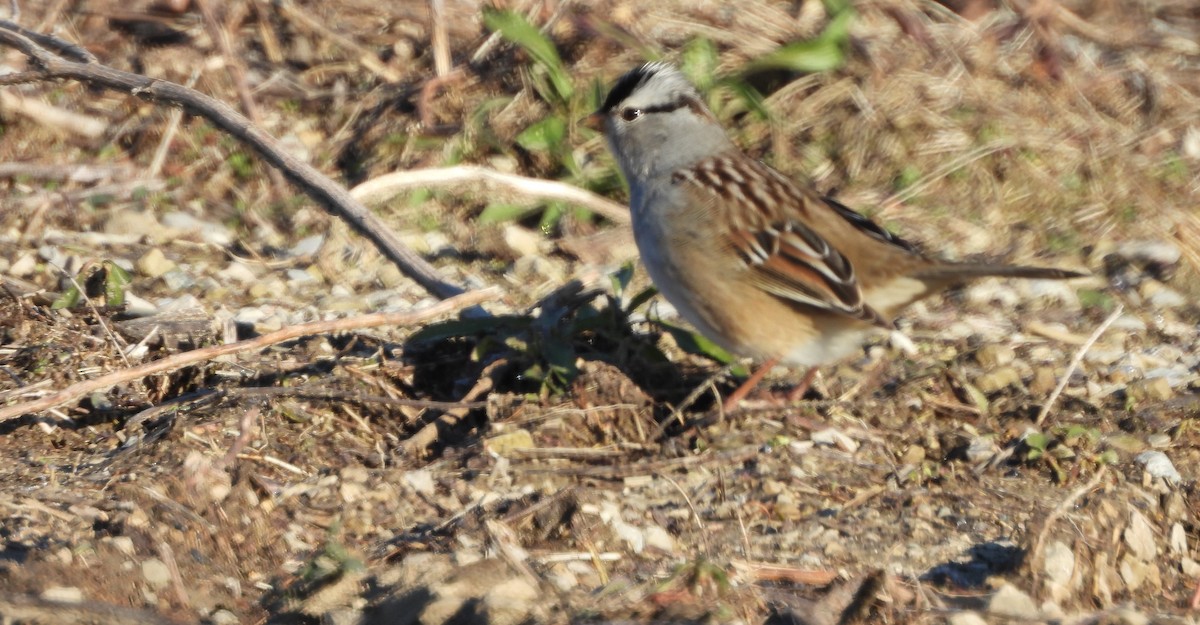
(758, 264)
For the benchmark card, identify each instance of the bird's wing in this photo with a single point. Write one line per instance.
(774, 228)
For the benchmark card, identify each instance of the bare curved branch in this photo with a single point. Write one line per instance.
(329, 194)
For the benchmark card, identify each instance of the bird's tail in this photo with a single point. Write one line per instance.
(953, 272)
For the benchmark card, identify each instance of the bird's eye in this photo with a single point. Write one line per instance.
(630, 114)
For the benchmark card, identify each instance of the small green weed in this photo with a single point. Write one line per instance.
(106, 277)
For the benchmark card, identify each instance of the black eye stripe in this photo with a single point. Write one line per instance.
(666, 108)
(631, 114)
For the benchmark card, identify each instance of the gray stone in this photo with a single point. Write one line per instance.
(965, 618)
(308, 246)
(1011, 602)
(63, 594)
(154, 263)
(1140, 537)
(420, 481)
(1059, 562)
(659, 538)
(523, 241)
(124, 544)
(210, 232)
(1178, 541)
(156, 573)
(1157, 464)
(1150, 251)
(1059, 565)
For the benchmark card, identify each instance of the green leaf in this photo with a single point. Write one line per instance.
(699, 63)
(551, 216)
(419, 197)
(815, 55)
(496, 213)
(582, 215)
(641, 298)
(621, 278)
(1075, 432)
(548, 135)
(560, 357)
(458, 328)
(1036, 445)
(696, 343)
(749, 96)
(1091, 298)
(822, 53)
(116, 282)
(69, 299)
(241, 164)
(517, 30)
(100, 200)
(836, 7)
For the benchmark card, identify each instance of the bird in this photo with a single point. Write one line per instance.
(762, 266)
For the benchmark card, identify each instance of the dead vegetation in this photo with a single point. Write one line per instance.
(561, 456)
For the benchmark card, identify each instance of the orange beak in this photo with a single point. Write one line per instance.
(595, 121)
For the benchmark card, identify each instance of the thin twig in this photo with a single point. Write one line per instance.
(170, 363)
(380, 189)
(300, 392)
(767, 572)
(245, 432)
(40, 41)
(168, 558)
(440, 41)
(723, 458)
(426, 436)
(695, 515)
(708, 384)
(1035, 559)
(83, 174)
(20, 78)
(1083, 349)
(22, 608)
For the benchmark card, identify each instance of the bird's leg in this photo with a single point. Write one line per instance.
(742, 391)
(797, 393)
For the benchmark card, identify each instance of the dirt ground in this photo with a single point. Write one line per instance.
(1032, 457)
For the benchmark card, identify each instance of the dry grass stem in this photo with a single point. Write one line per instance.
(53, 117)
(383, 188)
(1078, 358)
(1037, 553)
(440, 39)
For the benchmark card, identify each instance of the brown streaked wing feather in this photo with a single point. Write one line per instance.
(785, 257)
(868, 227)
